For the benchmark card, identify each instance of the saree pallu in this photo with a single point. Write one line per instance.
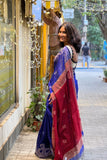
(60, 135)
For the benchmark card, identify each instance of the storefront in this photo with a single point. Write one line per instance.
(15, 71)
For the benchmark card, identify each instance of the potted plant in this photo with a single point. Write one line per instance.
(37, 108)
(105, 75)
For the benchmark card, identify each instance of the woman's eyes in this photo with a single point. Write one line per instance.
(62, 32)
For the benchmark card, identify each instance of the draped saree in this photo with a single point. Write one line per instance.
(60, 135)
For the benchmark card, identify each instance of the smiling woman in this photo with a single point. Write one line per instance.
(60, 135)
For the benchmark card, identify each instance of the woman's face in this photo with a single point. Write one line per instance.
(62, 35)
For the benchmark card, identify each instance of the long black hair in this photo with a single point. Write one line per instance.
(73, 36)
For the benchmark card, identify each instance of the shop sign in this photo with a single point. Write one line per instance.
(68, 13)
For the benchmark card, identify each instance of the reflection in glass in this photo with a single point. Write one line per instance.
(7, 56)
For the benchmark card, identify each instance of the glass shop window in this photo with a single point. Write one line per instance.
(7, 55)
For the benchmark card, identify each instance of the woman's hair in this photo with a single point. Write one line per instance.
(72, 35)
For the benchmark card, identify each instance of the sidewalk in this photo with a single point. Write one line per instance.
(93, 110)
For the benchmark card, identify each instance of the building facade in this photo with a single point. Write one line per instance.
(24, 46)
(15, 71)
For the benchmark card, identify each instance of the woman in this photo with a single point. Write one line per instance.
(60, 135)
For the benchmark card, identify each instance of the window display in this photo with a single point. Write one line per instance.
(7, 55)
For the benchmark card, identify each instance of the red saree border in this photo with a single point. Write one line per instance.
(62, 79)
(74, 151)
(59, 83)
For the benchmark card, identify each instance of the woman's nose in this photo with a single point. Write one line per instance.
(61, 34)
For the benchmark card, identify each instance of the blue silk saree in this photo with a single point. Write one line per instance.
(60, 135)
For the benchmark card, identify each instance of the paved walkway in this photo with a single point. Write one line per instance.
(93, 110)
